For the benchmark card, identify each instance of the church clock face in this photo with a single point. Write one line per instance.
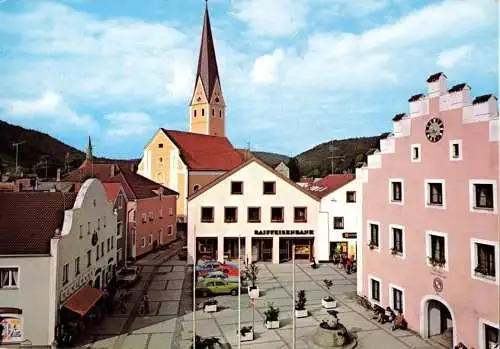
(434, 130)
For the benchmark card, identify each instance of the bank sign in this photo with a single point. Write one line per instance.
(284, 232)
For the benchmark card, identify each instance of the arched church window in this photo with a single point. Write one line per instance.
(216, 99)
(213, 112)
(199, 99)
(202, 111)
(220, 113)
(194, 113)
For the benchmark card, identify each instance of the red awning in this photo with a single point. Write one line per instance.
(83, 300)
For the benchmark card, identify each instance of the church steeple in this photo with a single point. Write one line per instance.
(89, 155)
(207, 108)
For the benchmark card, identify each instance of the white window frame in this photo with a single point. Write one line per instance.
(170, 211)
(428, 248)
(472, 196)
(482, 331)
(143, 241)
(391, 239)
(369, 234)
(150, 238)
(119, 229)
(427, 192)
(160, 213)
(171, 228)
(391, 297)
(460, 156)
(162, 236)
(18, 276)
(370, 294)
(473, 260)
(419, 147)
(392, 180)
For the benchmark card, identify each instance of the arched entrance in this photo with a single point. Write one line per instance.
(437, 321)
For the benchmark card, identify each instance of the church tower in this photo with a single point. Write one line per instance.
(207, 108)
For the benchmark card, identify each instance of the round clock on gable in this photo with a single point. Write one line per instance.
(434, 130)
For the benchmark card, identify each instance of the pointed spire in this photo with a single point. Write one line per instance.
(89, 151)
(207, 61)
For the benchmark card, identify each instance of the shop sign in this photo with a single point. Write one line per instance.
(12, 326)
(349, 235)
(284, 232)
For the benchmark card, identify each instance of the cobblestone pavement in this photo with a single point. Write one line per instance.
(171, 323)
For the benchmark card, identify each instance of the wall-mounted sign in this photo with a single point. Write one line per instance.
(349, 235)
(11, 325)
(284, 232)
(437, 283)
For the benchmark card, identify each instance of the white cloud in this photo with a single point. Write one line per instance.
(272, 18)
(351, 8)
(49, 106)
(265, 68)
(129, 124)
(450, 58)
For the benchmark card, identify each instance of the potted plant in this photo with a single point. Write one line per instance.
(300, 304)
(372, 245)
(246, 333)
(328, 302)
(210, 305)
(437, 262)
(206, 343)
(272, 316)
(394, 251)
(252, 271)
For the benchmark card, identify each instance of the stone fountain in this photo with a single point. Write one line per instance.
(332, 334)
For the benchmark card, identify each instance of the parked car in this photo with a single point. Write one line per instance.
(183, 253)
(228, 270)
(222, 276)
(128, 276)
(204, 269)
(215, 286)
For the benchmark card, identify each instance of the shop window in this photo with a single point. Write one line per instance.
(207, 214)
(269, 188)
(254, 214)
(230, 214)
(338, 222)
(300, 214)
(277, 214)
(350, 196)
(237, 187)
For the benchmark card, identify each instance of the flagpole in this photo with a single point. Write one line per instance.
(293, 290)
(194, 286)
(239, 290)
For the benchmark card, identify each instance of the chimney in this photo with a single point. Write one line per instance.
(437, 85)
(112, 170)
(58, 176)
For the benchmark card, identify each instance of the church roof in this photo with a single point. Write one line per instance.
(203, 152)
(207, 61)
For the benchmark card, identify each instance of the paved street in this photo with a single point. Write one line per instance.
(171, 321)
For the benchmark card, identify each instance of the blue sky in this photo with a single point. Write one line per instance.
(294, 73)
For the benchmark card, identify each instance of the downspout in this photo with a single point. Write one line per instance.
(126, 235)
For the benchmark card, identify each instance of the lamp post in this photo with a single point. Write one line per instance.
(293, 292)
(194, 286)
(239, 290)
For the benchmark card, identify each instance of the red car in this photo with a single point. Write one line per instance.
(228, 270)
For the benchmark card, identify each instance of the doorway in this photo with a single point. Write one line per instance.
(262, 249)
(338, 248)
(438, 322)
(206, 248)
(304, 248)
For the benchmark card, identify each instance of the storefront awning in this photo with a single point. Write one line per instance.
(83, 300)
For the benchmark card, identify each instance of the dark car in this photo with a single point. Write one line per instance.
(128, 276)
(183, 253)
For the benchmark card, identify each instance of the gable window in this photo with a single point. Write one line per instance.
(160, 145)
(484, 258)
(254, 214)
(277, 214)
(77, 266)
(350, 196)
(196, 187)
(396, 191)
(397, 299)
(230, 214)
(338, 222)
(415, 152)
(9, 277)
(436, 249)
(65, 273)
(269, 188)
(89, 258)
(483, 196)
(435, 193)
(455, 150)
(397, 240)
(207, 214)
(300, 214)
(374, 235)
(375, 290)
(170, 229)
(237, 187)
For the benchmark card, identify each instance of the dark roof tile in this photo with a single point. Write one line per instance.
(416, 97)
(398, 117)
(435, 77)
(457, 87)
(482, 99)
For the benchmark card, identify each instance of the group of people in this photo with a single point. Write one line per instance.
(397, 320)
(347, 262)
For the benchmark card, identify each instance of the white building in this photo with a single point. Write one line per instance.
(267, 210)
(53, 246)
(339, 218)
(283, 169)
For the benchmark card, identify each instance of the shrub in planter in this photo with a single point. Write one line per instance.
(394, 251)
(372, 245)
(437, 262)
(210, 305)
(300, 304)
(272, 316)
(328, 302)
(206, 343)
(246, 333)
(252, 272)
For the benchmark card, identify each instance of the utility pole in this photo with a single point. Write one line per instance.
(333, 151)
(16, 145)
(294, 325)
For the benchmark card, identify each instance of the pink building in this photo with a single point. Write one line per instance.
(430, 244)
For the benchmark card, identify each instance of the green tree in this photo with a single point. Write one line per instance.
(293, 166)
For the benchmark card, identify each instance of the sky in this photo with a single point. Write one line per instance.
(294, 73)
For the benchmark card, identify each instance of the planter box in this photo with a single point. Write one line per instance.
(301, 313)
(272, 324)
(210, 308)
(253, 293)
(247, 337)
(329, 304)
